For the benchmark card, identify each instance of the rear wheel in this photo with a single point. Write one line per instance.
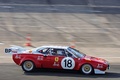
(87, 69)
(28, 66)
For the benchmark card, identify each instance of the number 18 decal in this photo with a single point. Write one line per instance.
(67, 63)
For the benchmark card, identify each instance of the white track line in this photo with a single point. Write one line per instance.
(1, 43)
(56, 5)
(41, 5)
(6, 7)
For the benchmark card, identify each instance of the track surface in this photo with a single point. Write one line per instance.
(94, 26)
(90, 24)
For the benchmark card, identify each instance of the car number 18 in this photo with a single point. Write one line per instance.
(68, 63)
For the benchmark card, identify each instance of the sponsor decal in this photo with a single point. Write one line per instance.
(100, 66)
(56, 63)
(40, 58)
(18, 56)
(56, 59)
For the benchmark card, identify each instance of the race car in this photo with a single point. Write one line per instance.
(57, 57)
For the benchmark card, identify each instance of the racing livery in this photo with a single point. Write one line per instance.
(57, 57)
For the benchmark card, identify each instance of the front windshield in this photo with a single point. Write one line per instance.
(76, 52)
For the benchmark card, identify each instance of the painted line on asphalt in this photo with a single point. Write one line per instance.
(41, 5)
(6, 6)
(105, 6)
(86, 28)
(1, 43)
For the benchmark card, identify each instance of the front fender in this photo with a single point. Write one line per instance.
(79, 66)
(82, 63)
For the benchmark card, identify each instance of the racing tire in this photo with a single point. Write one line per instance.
(28, 66)
(87, 69)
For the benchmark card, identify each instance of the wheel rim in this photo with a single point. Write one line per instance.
(28, 65)
(86, 69)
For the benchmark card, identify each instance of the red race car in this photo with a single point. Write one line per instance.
(58, 57)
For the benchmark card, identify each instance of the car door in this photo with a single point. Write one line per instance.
(56, 57)
(51, 59)
(44, 58)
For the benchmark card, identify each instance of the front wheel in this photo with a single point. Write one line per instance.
(87, 69)
(28, 66)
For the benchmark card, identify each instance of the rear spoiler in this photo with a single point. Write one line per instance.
(15, 49)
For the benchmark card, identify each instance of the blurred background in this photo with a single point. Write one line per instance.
(92, 26)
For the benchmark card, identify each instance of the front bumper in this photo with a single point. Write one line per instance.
(108, 66)
(97, 71)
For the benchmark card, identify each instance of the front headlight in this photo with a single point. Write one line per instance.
(107, 63)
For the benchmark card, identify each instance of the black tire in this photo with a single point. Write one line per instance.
(87, 69)
(28, 66)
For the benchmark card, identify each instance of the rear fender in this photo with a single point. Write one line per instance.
(37, 64)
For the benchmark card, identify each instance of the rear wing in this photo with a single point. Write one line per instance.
(15, 49)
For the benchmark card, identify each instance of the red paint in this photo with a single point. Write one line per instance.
(49, 61)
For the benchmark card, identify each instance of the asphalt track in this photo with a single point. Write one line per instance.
(93, 26)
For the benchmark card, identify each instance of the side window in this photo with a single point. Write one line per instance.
(58, 52)
(44, 51)
(53, 51)
(69, 54)
(61, 52)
